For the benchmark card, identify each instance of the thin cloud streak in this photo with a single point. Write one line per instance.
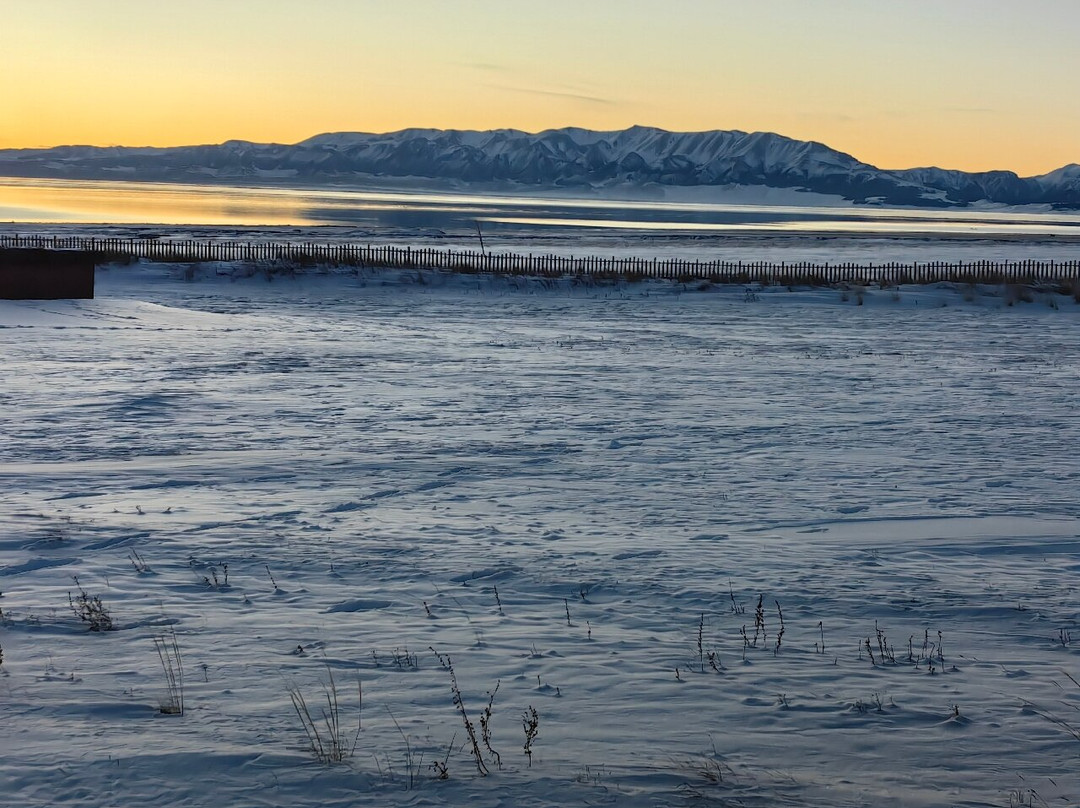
(590, 99)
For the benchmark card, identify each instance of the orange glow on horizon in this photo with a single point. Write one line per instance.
(936, 84)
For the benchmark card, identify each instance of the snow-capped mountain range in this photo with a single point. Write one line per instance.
(566, 159)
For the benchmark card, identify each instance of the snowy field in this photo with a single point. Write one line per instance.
(576, 494)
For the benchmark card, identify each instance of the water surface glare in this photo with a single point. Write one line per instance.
(123, 202)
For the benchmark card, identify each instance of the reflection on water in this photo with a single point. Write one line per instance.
(84, 201)
(810, 224)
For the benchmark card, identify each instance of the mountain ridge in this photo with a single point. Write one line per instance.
(569, 158)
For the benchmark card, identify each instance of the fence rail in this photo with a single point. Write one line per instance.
(464, 261)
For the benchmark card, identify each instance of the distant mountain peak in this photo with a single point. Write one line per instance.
(565, 158)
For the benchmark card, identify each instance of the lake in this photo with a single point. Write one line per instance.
(120, 202)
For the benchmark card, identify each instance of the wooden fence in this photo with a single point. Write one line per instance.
(464, 261)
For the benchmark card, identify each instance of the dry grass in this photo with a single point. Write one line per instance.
(173, 665)
(326, 736)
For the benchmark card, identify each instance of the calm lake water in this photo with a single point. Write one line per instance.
(85, 201)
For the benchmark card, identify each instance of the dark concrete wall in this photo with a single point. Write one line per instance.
(46, 274)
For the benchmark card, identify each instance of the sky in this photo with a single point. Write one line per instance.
(967, 84)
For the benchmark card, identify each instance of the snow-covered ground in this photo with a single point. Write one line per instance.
(578, 494)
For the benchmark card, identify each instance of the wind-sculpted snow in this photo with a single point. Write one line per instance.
(571, 158)
(578, 494)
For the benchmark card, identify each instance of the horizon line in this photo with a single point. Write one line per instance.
(523, 132)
